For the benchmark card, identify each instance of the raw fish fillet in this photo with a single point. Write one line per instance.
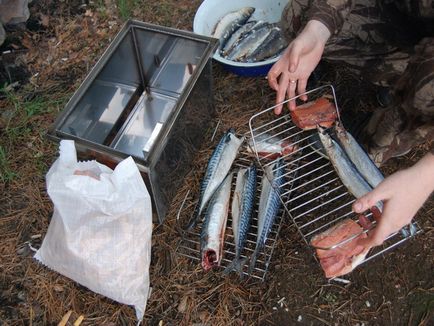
(321, 112)
(343, 259)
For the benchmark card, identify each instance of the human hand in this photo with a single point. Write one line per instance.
(297, 62)
(403, 193)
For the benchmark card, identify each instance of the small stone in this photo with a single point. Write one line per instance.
(300, 318)
(368, 304)
(58, 288)
(203, 316)
(274, 308)
(21, 296)
(182, 307)
(23, 251)
(287, 309)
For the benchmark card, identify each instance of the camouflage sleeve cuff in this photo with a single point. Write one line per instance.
(332, 13)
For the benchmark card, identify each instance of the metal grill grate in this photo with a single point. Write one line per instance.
(190, 244)
(318, 199)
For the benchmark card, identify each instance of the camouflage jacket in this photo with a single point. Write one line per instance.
(333, 13)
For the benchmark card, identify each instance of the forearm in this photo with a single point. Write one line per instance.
(424, 170)
(318, 30)
(329, 14)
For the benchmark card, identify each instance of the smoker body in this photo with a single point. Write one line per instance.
(150, 97)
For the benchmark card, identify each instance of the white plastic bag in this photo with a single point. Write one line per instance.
(100, 233)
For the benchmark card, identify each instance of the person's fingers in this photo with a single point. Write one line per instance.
(382, 230)
(272, 78)
(294, 57)
(301, 88)
(379, 234)
(281, 91)
(368, 242)
(376, 213)
(291, 93)
(364, 222)
(370, 199)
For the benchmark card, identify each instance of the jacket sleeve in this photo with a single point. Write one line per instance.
(332, 13)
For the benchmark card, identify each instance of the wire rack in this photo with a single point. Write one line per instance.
(317, 199)
(189, 245)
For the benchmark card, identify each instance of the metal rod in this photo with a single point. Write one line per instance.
(317, 197)
(324, 215)
(328, 224)
(311, 190)
(309, 173)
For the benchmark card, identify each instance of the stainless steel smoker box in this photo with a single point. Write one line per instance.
(149, 96)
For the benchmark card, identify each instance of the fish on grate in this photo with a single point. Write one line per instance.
(218, 167)
(358, 156)
(269, 205)
(214, 226)
(242, 208)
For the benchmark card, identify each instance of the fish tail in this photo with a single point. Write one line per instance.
(253, 259)
(236, 265)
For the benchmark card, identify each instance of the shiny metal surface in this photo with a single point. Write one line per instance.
(151, 110)
(142, 86)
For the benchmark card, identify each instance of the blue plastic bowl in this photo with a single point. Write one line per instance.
(211, 11)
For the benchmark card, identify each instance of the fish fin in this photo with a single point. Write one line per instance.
(195, 218)
(236, 265)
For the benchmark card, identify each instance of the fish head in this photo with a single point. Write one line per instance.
(248, 11)
(341, 131)
(210, 259)
(231, 131)
(325, 138)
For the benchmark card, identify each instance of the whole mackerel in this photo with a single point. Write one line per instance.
(358, 156)
(236, 37)
(269, 205)
(229, 23)
(347, 172)
(214, 226)
(218, 167)
(271, 46)
(251, 42)
(242, 208)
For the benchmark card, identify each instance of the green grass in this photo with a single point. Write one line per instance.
(22, 125)
(6, 174)
(126, 8)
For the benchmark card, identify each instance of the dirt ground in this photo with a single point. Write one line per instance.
(42, 64)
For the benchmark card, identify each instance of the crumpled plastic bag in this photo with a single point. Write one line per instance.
(100, 232)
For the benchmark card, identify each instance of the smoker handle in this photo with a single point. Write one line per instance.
(152, 138)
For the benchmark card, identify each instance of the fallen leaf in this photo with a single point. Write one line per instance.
(65, 318)
(182, 307)
(45, 20)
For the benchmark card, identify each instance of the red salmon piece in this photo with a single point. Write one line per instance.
(320, 112)
(343, 259)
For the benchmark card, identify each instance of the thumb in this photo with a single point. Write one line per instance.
(370, 199)
(374, 239)
(377, 236)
